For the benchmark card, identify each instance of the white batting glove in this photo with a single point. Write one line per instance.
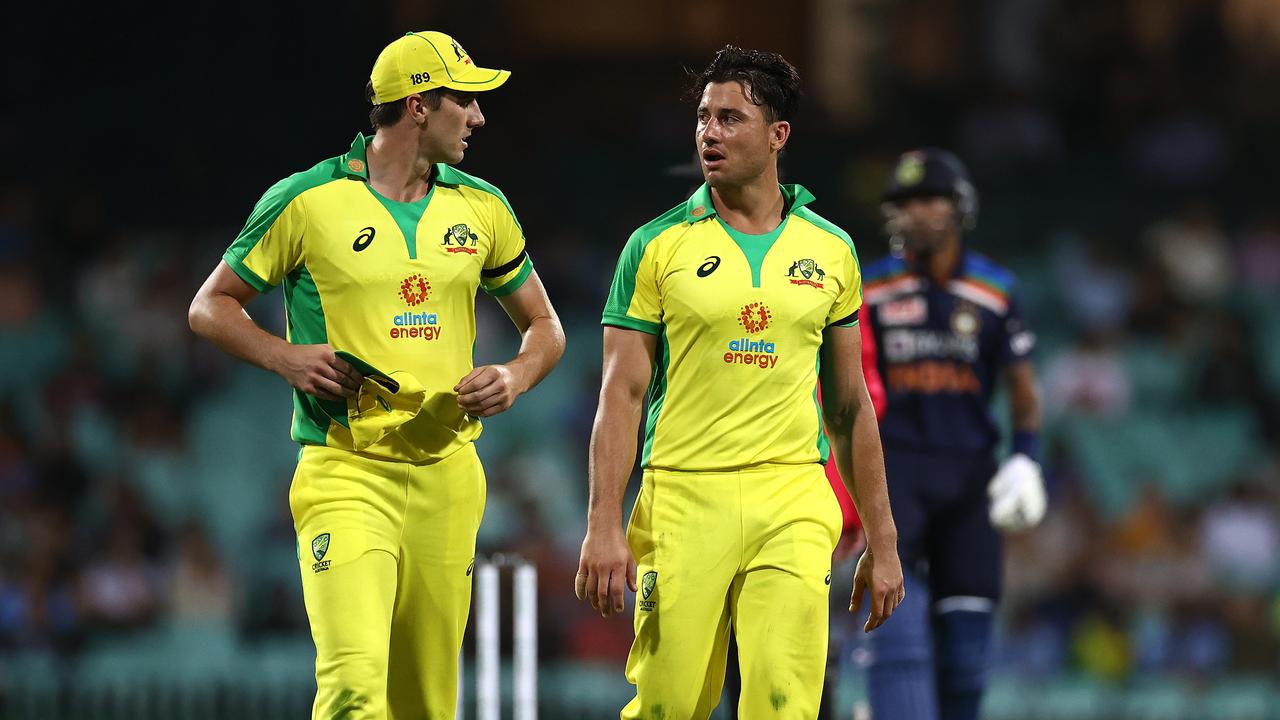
(1017, 495)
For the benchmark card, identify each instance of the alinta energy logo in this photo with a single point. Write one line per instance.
(415, 290)
(754, 318)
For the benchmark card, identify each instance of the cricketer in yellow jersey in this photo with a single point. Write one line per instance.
(728, 311)
(380, 252)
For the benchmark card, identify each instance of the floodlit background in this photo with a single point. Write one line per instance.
(1126, 154)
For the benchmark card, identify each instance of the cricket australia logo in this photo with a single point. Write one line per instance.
(460, 234)
(648, 584)
(461, 54)
(319, 547)
(754, 317)
(808, 269)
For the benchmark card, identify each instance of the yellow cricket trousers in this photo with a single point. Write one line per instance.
(386, 550)
(753, 548)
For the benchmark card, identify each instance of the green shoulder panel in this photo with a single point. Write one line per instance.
(268, 209)
(448, 175)
(624, 277)
(824, 224)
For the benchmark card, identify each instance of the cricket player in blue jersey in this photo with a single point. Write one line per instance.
(948, 327)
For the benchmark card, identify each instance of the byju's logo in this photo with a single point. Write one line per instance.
(754, 317)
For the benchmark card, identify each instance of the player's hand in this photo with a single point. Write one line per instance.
(883, 577)
(1017, 495)
(316, 370)
(603, 568)
(487, 390)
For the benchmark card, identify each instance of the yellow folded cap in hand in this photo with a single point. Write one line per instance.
(394, 408)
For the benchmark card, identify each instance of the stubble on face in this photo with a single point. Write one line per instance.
(449, 126)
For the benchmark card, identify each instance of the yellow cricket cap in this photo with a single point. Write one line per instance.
(422, 61)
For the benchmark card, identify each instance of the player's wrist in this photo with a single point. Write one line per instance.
(882, 544)
(519, 376)
(604, 520)
(273, 356)
(1027, 442)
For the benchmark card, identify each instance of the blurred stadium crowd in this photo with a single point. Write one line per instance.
(1126, 155)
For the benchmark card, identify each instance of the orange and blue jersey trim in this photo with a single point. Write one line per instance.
(980, 281)
(984, 283)
(885, 277)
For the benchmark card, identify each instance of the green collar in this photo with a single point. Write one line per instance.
(700, 207)
(356, 164)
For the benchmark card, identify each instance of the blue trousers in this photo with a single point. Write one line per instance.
(930, 660)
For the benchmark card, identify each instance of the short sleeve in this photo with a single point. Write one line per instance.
(1016, 339)
(270, 245)
(508, 265)
(844, 311)
(633, 301)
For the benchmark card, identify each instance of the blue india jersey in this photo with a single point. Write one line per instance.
(940, 350)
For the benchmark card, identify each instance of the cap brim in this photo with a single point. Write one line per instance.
(478, 79)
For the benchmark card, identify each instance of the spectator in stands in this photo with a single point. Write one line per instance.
(38, 608)
(1096, 290)
(1192, 250)
(1258, 253)
(120, 589)
(1089, 378)
(200, 590)
(1241, 538)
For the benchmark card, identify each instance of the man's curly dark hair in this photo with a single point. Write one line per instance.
(769, 80)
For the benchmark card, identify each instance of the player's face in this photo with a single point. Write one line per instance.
(735, 141)
(448, 127)
(925, 224)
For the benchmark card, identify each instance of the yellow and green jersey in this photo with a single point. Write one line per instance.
(739, 320)
(393, 283)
